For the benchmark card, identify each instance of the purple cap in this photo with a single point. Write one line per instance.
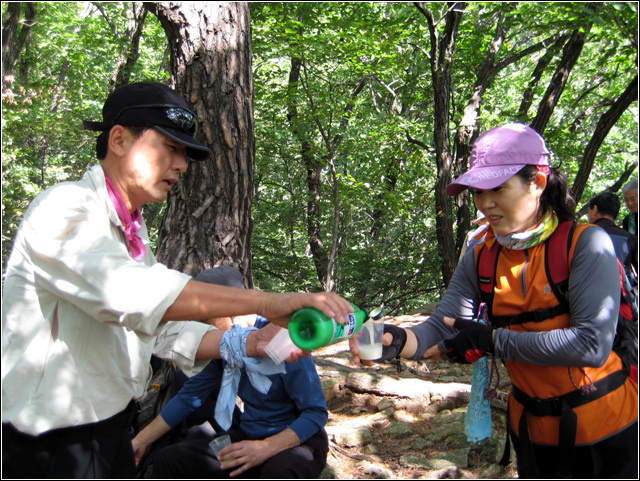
(498, 155)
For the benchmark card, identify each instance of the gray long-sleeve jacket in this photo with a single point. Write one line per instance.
(594, 297)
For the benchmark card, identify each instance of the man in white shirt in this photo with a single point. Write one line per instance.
(85, 301)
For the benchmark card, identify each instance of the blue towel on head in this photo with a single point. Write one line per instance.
(233, 352)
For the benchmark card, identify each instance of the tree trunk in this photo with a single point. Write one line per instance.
(313, 181)
(208, 217)
(543, 63)
(130, 51)
(606, 122)
(468, 127)
(570, 55)
(441, 58)
(13, 38)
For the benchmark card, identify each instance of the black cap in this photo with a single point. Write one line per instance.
(222, 275)
(150, 104)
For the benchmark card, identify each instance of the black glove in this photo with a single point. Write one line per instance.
(397, 345)
(473, 342)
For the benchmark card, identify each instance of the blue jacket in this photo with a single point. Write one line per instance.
(295, 400)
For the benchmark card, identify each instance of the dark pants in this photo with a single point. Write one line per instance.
(615, 457)
(96, 450)
(195, 459)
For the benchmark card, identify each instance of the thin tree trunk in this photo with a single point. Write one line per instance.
(570, 55)
(14, 38)
(543, 63)
(441, 57)
(313, 181)
(605, 123)
(131, 51)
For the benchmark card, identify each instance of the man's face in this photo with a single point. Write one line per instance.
(631, 199)
(152, 165)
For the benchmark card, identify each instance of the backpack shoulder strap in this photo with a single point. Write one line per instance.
(556, 259)
(486, 260)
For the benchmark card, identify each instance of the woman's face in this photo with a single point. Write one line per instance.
(513, 206)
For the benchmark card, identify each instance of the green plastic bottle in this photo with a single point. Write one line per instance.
(311, 329)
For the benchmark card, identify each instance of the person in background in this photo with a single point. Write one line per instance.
(226, 276)
(476, 235)
(85, 302)
(603, 211)
(566, 357)
(630, 195)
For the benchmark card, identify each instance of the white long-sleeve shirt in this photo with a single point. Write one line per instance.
(81, 317)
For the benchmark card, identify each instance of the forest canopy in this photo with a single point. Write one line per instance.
(363, 112)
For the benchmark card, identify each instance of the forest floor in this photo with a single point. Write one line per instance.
(404, 422)
(385, 424)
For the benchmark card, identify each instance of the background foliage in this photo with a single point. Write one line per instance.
(344, 89)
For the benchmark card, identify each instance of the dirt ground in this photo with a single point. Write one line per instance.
(354, 403)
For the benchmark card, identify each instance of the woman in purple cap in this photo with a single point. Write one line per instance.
(572, 403)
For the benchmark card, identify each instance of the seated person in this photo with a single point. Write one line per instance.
(281, 432)
(226, 276)
(201, 422)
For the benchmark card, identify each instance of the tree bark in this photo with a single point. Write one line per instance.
(208, 216)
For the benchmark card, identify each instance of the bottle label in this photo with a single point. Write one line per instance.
(344, 331)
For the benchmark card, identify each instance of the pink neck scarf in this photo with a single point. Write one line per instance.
(130, 222)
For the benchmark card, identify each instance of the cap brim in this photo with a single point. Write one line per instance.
(195, 149)
(483, 178)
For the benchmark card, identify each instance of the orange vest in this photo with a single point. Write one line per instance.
(522, 286)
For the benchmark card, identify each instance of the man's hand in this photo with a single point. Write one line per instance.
(473, 341)
(278, 308)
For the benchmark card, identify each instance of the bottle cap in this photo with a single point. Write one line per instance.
(280, 346)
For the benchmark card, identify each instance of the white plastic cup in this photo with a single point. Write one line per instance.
(369, 340)
(220, 442)
(280, 346)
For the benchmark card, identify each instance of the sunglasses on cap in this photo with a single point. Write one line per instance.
(181, 117)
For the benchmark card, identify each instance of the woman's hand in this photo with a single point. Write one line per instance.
(472, 342)
(145, 438)
(394, 340)
(246, 455)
